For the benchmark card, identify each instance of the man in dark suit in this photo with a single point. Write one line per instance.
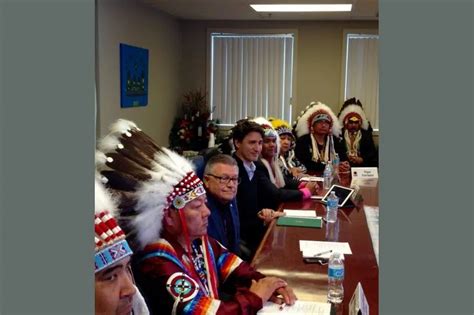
(221, 177)
(247, 137)
(357, 135)
(318, 132)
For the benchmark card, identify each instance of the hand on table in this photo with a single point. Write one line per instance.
(267, 215)
(287, 296)
(296, 171)
(266, 287)
(356, 159)
(313, 187)
(344, 167)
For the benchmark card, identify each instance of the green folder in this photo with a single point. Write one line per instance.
(301, 222)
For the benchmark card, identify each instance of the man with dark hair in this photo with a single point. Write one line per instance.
(289, 187)
(221, 178)
(318, 141)
(357, 135)
(247, 137)
(115, 292)
(257, 196)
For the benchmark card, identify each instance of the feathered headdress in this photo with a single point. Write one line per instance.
(266, 125)
(148, 178)
(110, 243)
(281, 126)
(313, 113)
(268, 130)
(353, 108)
(273, 169)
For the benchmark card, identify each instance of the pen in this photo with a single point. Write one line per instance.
(282, 306)
(322, 253)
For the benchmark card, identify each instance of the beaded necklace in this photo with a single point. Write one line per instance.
(197, 258)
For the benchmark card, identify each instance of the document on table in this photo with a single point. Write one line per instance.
(300, 307)
(311, 179)
(316, 248)
(300, 213)
(372, 216)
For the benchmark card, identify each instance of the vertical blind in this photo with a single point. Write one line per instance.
(362, 73)
(251, 75)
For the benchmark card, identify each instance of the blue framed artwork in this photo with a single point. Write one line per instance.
(133, 76)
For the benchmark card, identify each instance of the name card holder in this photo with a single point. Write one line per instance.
(358, 304)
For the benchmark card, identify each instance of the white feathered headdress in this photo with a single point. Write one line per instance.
(351, 108)
(148, 178)
(311, 114)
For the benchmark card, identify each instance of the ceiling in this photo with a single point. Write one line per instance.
(240, 10)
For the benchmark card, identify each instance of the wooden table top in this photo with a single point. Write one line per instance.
(279, 254)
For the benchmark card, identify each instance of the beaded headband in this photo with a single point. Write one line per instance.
(110, 243)
(188, 189)
(318, 116)
(281, 126)
(269, 131)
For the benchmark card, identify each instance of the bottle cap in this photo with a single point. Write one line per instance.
(335, 255)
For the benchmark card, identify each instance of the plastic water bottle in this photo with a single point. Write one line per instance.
(335, 165)
(327, 175)
(332, 231)
(335, 278)
(332, 205)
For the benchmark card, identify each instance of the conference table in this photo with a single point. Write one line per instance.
(279, 254)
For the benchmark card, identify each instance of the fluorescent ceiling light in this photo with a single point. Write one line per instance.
(302, 7)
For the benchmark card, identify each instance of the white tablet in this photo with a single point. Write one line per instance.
(343, 193)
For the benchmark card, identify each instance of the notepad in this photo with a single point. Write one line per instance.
(300, 213)
(311, 179)
(300, 221)
(300, 307)
(312, 248)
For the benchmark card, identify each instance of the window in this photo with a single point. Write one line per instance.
(361, 73)
(251, 75)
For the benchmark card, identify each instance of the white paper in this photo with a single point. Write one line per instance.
(324, 255)
(300, 213)
(364, 172)
(311, 179)
(300, 307)
(212, 140)
(317, 197)
(315, 248)
(365, 182)
(372, 216)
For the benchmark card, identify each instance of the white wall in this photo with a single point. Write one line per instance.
(129, 22)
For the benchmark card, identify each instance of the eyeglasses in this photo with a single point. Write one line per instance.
(224, 180)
